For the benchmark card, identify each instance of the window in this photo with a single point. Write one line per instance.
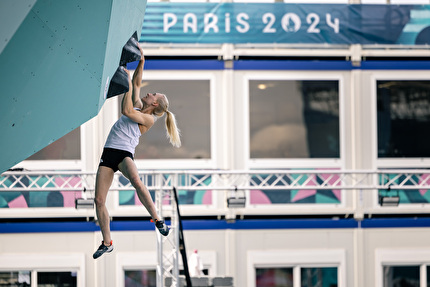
(319, 277)
(134, 272)
(189, 100)
(15, 278)
(402, 276)
(403, 113)
(309, 277)
(275, 277)
(402, 267)
(428, 277)
(42, 270)
(294, 119)
(67, 147)
(56, 279)
(140, 278)
(297, 268)
(44, 279)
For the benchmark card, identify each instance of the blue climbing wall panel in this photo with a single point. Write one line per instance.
(56, 60)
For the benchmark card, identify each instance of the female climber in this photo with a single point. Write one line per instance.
(138, 116)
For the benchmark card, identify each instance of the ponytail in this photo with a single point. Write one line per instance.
(173, 133)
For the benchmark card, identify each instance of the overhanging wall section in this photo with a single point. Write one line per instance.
(56, 67)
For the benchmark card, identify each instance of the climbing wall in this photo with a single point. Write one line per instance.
(56, 60)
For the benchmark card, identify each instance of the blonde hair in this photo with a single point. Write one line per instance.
(172, 131)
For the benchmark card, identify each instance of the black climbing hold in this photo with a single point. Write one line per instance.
(118, 84)
(130, 51)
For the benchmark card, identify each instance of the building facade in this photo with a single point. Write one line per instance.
(293, 110)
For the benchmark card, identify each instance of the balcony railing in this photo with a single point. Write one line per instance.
(19, 181)
(266, 191)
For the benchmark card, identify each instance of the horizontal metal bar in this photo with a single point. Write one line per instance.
(228, 188)
(220, 171)
(405, 179)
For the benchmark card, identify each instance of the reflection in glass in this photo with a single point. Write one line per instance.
(140, 278)
(56, 279)
(403, 118)
(189, 100)
(401, 276)
(67, 147)
(294, 119)
(428, 276)
(15, 278)
(274, 277)
(319, 277)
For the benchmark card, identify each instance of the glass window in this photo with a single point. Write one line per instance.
(140, 278)
(428, 276)
(403, 118)
(319, 277)
(66, 148)
(189, 100)
(294, 119)
(15, 278)
(274, 277)
(402, 276)
(56, 279)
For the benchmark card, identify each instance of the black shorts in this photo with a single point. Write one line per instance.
(113, 157)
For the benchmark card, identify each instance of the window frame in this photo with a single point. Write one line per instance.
(380, 163)
(133, 261)
(401, 257)
(366, 130)
(214, 81)
(295, 162)
(311, 258)
(60, 164)
(51, 263)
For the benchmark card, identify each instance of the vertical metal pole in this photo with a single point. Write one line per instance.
(159, 208)
(182, 241)
(175, 244)
(167, 246)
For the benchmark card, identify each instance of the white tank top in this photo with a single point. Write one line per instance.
(124, 135)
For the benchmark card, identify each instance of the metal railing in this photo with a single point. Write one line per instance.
(224, 180)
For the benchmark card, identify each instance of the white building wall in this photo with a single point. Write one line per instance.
(224, 252)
